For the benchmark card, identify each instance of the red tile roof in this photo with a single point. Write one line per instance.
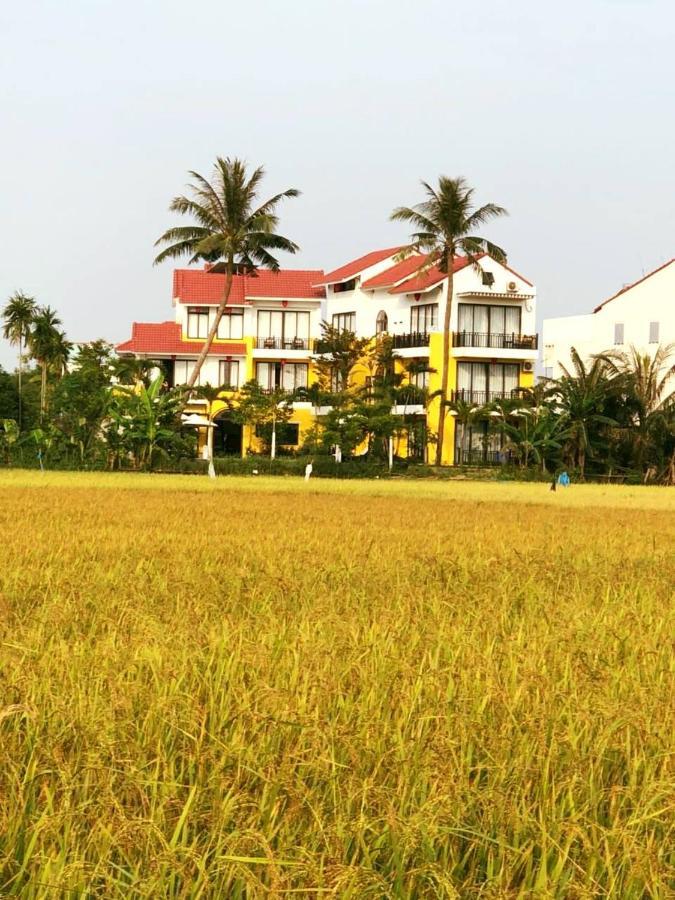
(165, 338)
(396, 273)
(426, 280)
(628, 287)
(201, 286)
(292, 283)
(350, 269)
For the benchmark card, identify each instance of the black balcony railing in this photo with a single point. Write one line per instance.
(266, 389)
(410, 395)
(479, 456)
(412, 339)
(277, 343)
(480, 398)
(495, 341)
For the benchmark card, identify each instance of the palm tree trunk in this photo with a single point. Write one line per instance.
(445, 367)
(214, 328)
(43, 389)
(20, 373)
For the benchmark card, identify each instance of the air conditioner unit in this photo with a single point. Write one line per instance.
(528, 366)
(512, 286)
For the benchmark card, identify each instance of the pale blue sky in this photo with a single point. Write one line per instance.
(561, 112)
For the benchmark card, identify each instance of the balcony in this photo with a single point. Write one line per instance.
(287, 392)
(495, 341)
(277, 343)
(479, 456)
(481, 398)
(321, 346)
(409, 341)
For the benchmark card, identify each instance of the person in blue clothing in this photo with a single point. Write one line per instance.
(561, 478)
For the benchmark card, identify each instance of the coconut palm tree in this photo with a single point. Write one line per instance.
(232, 230)
(534, 434)
(582, 397)
(444, 229)
(17, 317)
(47, 346)
(645, 383)
(134, 369)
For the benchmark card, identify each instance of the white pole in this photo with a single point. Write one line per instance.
(212, 470)
(209, 432)
(273, 451)
(391, 453)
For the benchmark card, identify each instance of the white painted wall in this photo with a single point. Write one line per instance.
(250, 311)
(650, 300)
(367, 303)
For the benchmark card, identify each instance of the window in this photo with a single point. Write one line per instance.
(345, 321)
(336, 381)
(423, 318)
(228, 372)
(288, 433)
(231, 325)
(279, 330)
(419, 379)
(480, 319)
(285, 376)
(182, 369)
(270, 327)
(618, 333)
(294, 376)
(482, 382)
(296, 330)
(198, 322)
(345, 286)
(653, 332)
(381, 323)
(488, 278)
(476, 445)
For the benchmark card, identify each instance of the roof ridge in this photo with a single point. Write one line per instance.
(629, 287)
(354, 266)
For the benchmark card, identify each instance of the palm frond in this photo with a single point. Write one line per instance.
(484, 214)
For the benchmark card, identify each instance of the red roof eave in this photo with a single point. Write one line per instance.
(148, 338)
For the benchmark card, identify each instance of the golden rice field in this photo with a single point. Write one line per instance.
(266, 688)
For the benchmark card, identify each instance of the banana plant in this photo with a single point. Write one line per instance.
(144, 421)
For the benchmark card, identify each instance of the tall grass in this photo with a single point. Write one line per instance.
(363, 691)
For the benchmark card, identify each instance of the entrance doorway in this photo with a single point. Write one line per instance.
(227, 437)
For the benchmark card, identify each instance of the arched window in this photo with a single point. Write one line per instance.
(381, 323)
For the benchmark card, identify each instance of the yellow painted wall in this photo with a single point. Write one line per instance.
(436, 362)
(305, 417)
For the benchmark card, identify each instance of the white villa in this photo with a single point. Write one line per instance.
(641, 314)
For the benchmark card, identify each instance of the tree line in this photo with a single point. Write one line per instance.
(611, 415)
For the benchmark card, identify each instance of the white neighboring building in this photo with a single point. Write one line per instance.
(641, 315)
